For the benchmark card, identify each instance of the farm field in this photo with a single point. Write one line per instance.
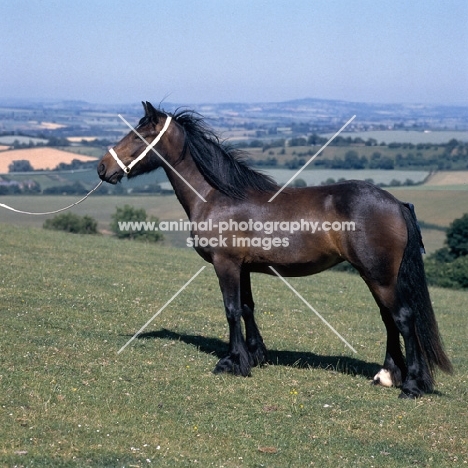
(318, 176)
(448, 178)
(438, 207)
(408, 136)
(40, 158)
(25, 140)
(69, 303)
(331, 152)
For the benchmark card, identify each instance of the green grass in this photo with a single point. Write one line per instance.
(67, 398)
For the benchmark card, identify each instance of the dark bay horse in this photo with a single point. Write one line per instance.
(249, 233)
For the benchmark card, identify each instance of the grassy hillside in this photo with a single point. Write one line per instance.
(69, 303)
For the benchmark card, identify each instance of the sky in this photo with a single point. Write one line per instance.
(194, 51)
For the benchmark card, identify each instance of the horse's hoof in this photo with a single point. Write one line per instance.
(227, 366)
(384, 378)
(258, 357)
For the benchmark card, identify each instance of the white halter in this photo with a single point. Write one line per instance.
(128, 168)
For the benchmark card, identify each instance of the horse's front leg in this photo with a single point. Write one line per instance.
(238, 361)
(253, 338)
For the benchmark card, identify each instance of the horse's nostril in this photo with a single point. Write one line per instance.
(101, 169)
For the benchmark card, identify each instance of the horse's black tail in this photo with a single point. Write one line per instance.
(412, 292)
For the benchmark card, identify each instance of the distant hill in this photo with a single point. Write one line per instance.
(326, 112)
(82, 118)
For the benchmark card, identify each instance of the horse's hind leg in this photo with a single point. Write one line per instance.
(419, 377)
(412, 374)
(255, 345)
(393, 371)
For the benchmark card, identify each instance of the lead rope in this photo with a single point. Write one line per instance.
(126, 169)
(55, 211)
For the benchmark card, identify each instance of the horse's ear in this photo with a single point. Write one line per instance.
(150, 111)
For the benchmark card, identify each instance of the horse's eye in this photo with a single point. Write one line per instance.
(145, 135)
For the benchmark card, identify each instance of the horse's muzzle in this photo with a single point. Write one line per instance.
(111, 178)
(101, 170)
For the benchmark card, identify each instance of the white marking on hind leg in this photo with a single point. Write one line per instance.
(384, 378)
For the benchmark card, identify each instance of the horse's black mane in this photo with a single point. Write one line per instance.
(223, 166)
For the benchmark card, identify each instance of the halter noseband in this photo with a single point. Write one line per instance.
(128, 168)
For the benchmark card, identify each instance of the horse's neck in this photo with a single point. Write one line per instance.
(190, 187)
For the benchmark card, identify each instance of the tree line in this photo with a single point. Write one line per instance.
(454, 155)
